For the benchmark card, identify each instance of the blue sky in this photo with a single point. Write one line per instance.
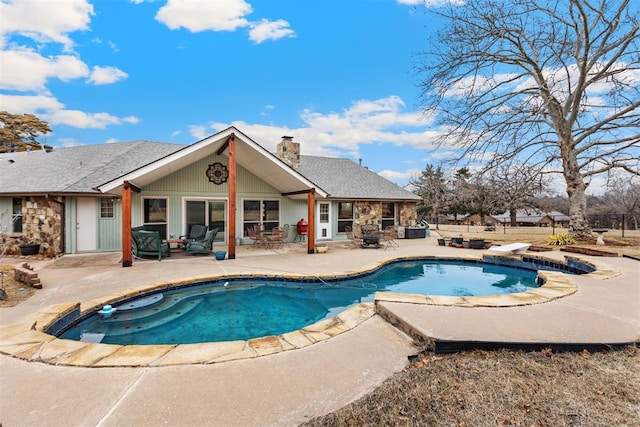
(337, 75)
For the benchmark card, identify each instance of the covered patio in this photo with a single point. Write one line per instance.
(239, 150)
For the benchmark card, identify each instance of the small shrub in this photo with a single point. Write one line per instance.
(561, 239)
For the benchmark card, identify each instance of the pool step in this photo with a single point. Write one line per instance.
(142, 324)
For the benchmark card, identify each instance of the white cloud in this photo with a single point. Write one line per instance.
(31, 104)
(83, 120)
(270, 30)
(106, 75)
(199, 16)
(53, 112)
(342, 134)
(24, 69)
(200, 132)
(28, 18)
(396, 176)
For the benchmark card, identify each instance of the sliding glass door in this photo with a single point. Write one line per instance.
(210, 213)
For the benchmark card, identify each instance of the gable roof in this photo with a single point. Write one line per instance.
(77, 169)
(344, 179)
(249, 154)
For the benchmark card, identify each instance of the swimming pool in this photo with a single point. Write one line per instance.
(245, 308)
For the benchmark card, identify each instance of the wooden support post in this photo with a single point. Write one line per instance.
(311, 214)
(127, 256)
(232, 197)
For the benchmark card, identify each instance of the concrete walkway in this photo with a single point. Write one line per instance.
(289, 387)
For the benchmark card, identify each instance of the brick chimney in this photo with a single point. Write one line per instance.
(289, 152)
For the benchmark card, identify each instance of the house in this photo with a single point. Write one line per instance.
(87, 198)
(524, 218)
(534, 218)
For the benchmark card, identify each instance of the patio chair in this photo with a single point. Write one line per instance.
(256, 236)
(355, 237)
(197, 232)
(202, 247)
(389, 237)
(285, 234)
(276, 238)
(144, 243)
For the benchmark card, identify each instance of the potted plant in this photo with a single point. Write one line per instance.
(28, 247)
(322, 248)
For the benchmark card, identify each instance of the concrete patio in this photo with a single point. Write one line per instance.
(289, 387)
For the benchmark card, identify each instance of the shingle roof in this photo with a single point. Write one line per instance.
(344, 179)
(75, 169)
(81, 169)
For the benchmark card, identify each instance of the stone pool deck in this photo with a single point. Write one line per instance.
(287, 380)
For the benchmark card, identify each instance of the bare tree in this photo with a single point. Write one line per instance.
(18, 132)
(623, 197)
(517, 187)
(553, 84)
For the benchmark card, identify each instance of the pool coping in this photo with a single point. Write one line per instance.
(28, 341)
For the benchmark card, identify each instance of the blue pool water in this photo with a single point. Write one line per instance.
(241, 309)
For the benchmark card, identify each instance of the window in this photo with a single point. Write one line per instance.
(324, 213)
(155, 215)
(107, 208)
(388, 214)
(345, 216)
(265, 212)
(16, 217)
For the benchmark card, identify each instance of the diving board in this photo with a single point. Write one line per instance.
(511, 248)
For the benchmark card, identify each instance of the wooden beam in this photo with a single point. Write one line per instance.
(231, 143)
(225, 144)
(311, 213)
(133, 187)
(127, 256)
(293, 193)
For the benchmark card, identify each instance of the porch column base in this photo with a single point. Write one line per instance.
(127, 263)
(311, 251)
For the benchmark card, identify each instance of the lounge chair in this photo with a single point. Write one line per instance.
(149, 243)
(511, 249)
(197, 232)
(203, 246)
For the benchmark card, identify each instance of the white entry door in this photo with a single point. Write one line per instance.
(324, 221)
(86, 224)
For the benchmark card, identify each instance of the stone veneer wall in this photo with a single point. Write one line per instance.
(371, 213)
(408, 213)
(289, 152)
(41, 223)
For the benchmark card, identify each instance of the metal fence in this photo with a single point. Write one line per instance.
(617, 224)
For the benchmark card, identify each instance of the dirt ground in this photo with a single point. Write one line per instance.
(16, 292)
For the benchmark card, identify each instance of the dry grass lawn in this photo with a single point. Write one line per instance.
(504, 388)
(629, 244)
